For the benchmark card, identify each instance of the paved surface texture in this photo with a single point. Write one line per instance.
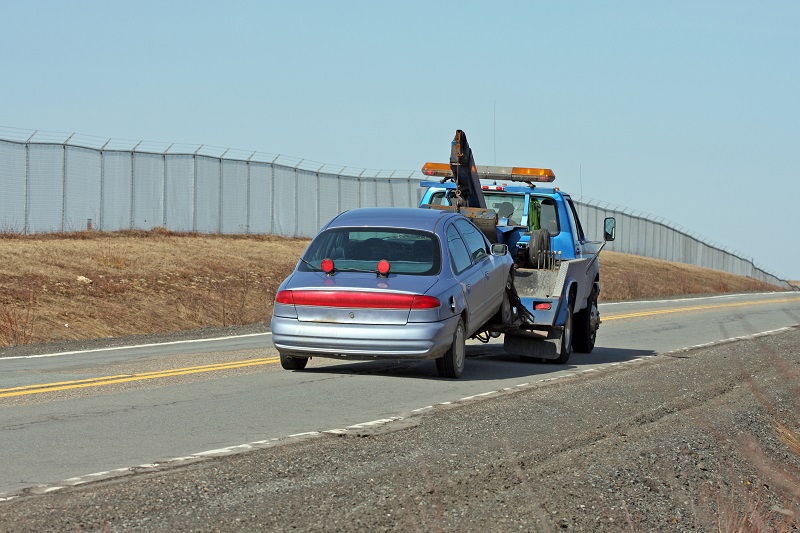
(690, 441)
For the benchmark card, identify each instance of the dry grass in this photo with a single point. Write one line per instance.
(630, 277)
(93, 285)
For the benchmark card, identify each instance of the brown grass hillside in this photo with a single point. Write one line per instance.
(94, 285)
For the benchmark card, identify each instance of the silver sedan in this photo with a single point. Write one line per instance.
(397, 283)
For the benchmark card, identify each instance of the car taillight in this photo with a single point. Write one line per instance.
(284, 297)
(541, 306)
(361, 299)
(425, 302)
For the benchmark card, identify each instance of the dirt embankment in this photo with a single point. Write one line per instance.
(92, 285)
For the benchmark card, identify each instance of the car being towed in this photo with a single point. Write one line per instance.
(394, 283)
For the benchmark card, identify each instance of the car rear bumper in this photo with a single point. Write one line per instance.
(414, 340)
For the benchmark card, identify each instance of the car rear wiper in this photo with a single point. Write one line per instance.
(311, 265)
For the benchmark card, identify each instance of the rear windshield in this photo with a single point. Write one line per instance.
(408, 251)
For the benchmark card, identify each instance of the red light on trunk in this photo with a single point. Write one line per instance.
(383, 267)
(327, 265)
(542, 306)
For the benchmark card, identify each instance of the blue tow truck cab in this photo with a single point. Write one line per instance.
(553, 299)
(520, 210)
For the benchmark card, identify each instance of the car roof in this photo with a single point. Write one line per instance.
(391, 217)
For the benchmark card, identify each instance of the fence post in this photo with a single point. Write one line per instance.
(194, 188)
(220, 208)
(164, 189)
(64, 182)
(27, 208)
(101, 210)
(247, 196)
(133, 186)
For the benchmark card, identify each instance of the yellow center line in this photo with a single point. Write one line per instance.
(125, 378)
(655, 312)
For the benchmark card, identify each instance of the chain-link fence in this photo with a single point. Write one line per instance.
(56, 183)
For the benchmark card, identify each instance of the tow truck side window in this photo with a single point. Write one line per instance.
(543, 215)
(437, 198)
(576, 222)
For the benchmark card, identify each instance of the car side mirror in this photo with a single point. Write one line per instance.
(499, 249)
(609, 229)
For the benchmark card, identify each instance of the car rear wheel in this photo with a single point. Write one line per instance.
(293, 363)
(451, 364)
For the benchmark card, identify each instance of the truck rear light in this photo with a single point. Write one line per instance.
(542, 306)
(358, 299)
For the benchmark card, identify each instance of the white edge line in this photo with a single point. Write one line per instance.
(133, 346)
(74, 481)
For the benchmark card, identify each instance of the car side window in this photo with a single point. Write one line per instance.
(458, 250)
(476, 244)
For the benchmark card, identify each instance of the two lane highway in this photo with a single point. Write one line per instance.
(66, 416)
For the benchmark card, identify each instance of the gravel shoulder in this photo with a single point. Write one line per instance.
(688, 441)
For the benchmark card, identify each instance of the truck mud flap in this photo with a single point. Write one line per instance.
(532, 345)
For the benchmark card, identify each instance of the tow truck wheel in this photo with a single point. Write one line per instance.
(539, 249)
(451, 364)
(293, 363)
(586, 323)
(505, 315)
(566, 341)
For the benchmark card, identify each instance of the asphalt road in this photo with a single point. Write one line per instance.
(68, 418)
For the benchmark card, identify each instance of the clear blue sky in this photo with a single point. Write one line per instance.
(687, 110)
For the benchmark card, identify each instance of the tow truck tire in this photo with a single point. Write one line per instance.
(585, 329)
(293, 363)
(566, 341)
(539, 249)
(505, 315)
(451, 364)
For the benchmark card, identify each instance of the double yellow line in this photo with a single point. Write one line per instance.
(126, 378)
(655, 312)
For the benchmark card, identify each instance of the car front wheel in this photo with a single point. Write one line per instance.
(451, 364)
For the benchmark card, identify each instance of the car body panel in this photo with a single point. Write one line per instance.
(356, 332)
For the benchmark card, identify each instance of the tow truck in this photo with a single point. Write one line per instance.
(550, 306)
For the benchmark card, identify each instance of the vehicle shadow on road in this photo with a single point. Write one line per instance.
(484, 363)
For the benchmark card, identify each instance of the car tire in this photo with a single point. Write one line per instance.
(451, 364)
(539, 249)
(586, 323)
(566, 341)
(293, 363)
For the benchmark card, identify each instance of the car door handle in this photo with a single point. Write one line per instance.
(486, 274)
